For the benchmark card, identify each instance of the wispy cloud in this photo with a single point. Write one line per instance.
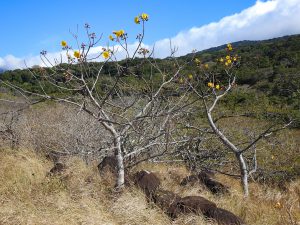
(11, 62)
(265, 19)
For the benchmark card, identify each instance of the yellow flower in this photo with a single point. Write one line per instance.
(190, 76)
(197, 61)
(137, 20)
(217, 86)
(206, 66)
(210, 84)
(234, 59)
(229, 61)
(229, 47)
(226, 64)
(221, 60)
(119, 33)
(106, 54)
(77, 54)
(181, 80)
(63, 43)
(111, 37)
(145, 16)
(272, 157)
(228, 57)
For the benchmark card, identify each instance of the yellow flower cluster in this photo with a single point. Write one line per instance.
(119, 33)
(229, 47)
(76, 54)
(212, 85)
(228, 60)
(143, 17)
(197, 61)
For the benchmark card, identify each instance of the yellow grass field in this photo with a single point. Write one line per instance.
(81, 196)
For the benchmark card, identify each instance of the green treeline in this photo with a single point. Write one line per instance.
(268, 75)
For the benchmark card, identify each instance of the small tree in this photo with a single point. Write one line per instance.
(220, 78)
(133, 99)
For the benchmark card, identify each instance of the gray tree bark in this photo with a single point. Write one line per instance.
(233, 148)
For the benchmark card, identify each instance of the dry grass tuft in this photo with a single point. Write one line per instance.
(131, 207)
(192, 220)
(20, 172)
(29, 196)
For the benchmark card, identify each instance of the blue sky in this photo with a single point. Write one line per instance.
(30, 26)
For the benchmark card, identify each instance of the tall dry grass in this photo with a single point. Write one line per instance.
(80, 196)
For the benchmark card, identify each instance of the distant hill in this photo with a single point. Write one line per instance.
(2, 70)
(244, 43)
(270, 68)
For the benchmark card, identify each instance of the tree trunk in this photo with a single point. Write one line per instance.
(118, 154)
(244, 173)
(120, 165)
(233, 148)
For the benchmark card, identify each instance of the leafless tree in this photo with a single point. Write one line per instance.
(139, 115)
(210, 87)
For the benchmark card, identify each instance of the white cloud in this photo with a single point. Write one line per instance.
(268, 19)
(11, 62)
(263, 20)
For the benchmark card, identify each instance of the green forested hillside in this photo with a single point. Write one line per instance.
(269, 71)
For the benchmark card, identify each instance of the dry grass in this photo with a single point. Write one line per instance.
(81, 196)
(131, 207)
(28, 196)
